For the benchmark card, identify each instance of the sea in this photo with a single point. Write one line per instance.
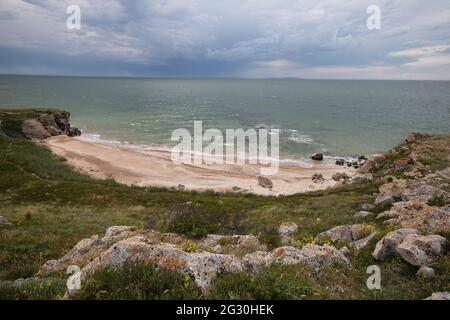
(340, 118)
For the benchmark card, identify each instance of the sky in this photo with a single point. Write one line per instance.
(317, 39)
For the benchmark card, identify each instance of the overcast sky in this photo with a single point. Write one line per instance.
(228, 38)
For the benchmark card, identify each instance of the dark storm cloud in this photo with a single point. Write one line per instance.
(233, 38)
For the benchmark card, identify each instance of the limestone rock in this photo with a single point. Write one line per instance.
(254, 261)
(419, 215)
(426, 272)
(345, 233)
(362, 243)
(202, 266)
(265, 182)
(439, 296)
(419, 250)
(312, 255)
(86, 250)
(287, 228)
(387, 246)
(33, 129)
(390, 192)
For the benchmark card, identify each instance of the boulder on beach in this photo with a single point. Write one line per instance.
(265, 182)
(317, 178)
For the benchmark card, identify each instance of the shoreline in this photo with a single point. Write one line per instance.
(150, 167)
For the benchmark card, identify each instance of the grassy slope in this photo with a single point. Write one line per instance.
(52, 208)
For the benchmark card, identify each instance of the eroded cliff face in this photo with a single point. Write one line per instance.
(38, 124)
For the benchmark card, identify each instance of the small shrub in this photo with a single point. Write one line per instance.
(40, 289)
(270, 237)
(138, 282)
(437, 200)
(193, 227)
(276, 282)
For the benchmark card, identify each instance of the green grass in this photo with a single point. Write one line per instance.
(52, 207)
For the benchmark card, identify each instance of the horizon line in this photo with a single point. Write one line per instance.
(208, 77)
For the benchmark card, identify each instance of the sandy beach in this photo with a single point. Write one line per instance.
(143, 167)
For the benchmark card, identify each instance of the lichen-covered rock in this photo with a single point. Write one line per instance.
(402, 190)
(345, 233)
(254, 261)
(419, 215)
(362, 243)
(312, 255)
(86, 250)
(390, 193)
(387, 246)
(439, 296)
(202, 266)
(426, 272)
(419, 250)
(287, 228)
(336, 234)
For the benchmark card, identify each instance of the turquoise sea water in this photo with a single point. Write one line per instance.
(342, 118)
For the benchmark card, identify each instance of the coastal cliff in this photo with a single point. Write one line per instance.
(38, 124)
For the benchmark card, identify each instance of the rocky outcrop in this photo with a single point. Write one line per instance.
(46, 125)
(285, 231)
(387, 246)
(345, 233)
(312, 255)
(121, 246)
(416, 249)
(33, 129)
(86, 250)
(420, 250)
(418, 215)
(265, 182)
(287, 228)
(254, 261)
(357, 236)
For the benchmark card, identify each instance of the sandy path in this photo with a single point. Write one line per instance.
(141, 167)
